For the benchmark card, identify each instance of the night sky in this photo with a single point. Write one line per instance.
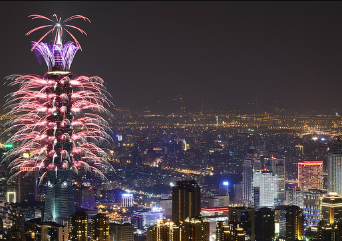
(224, 54)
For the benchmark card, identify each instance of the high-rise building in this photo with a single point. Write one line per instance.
(247, 175)
(196, 229)
(264, 224)
(291, 222)
(164, 230)
(59, 204)
(27, 184)
(166, 205)
(277, 166)
(78, 227)
(186, 200)
(238, 194)
(100, 228)
(334, 164)
(223, 188)
(85, 197)
(310, 175)
(245, 218)
(265, 189)
(294, 223)
(331, 208)
(122, 232)
(294, 196)
(312, 206)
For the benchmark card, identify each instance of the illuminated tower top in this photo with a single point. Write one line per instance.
(58, 57)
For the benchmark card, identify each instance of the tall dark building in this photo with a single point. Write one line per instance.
(245, 218)
(27, 185)
(78, 227)
(186, 200)
(85, 197)
(291, 222)
(264, 224)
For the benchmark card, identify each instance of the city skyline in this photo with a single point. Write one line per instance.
(241, 56)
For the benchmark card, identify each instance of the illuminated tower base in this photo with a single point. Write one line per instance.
(59, 204)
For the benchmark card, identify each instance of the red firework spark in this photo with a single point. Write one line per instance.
(31, 106)
(57, 27)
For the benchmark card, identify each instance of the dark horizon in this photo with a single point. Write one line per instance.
(230, 55)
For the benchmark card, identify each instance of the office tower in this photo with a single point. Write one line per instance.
(196, 229)
(334, 164)
(100, 228)
(247, 176)
(59, 204)
(164, 230)
(122, 232)
(166, 205)
(247, 180)
(186, 200)
(291, 222)
(223, 201)
(312, 207)
(245, 217)
(277, 166)
(78, 227)
(126, 200)
(209, 202)
(85, 197)
(294, 223)
(331, 208)
(310, 175)
(27, 185)
(294, 196)
(238, 194)
(264, 224)
(266, 186)
(223, 188)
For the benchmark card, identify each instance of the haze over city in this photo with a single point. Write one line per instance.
(243, 56)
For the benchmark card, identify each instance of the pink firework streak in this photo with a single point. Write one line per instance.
(58, 129)
(58, 26)
(57, 118)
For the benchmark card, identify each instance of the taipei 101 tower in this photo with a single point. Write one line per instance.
(57, 120)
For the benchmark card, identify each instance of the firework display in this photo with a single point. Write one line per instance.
(57, 123)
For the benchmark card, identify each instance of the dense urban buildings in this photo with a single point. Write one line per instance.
(186, 201)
